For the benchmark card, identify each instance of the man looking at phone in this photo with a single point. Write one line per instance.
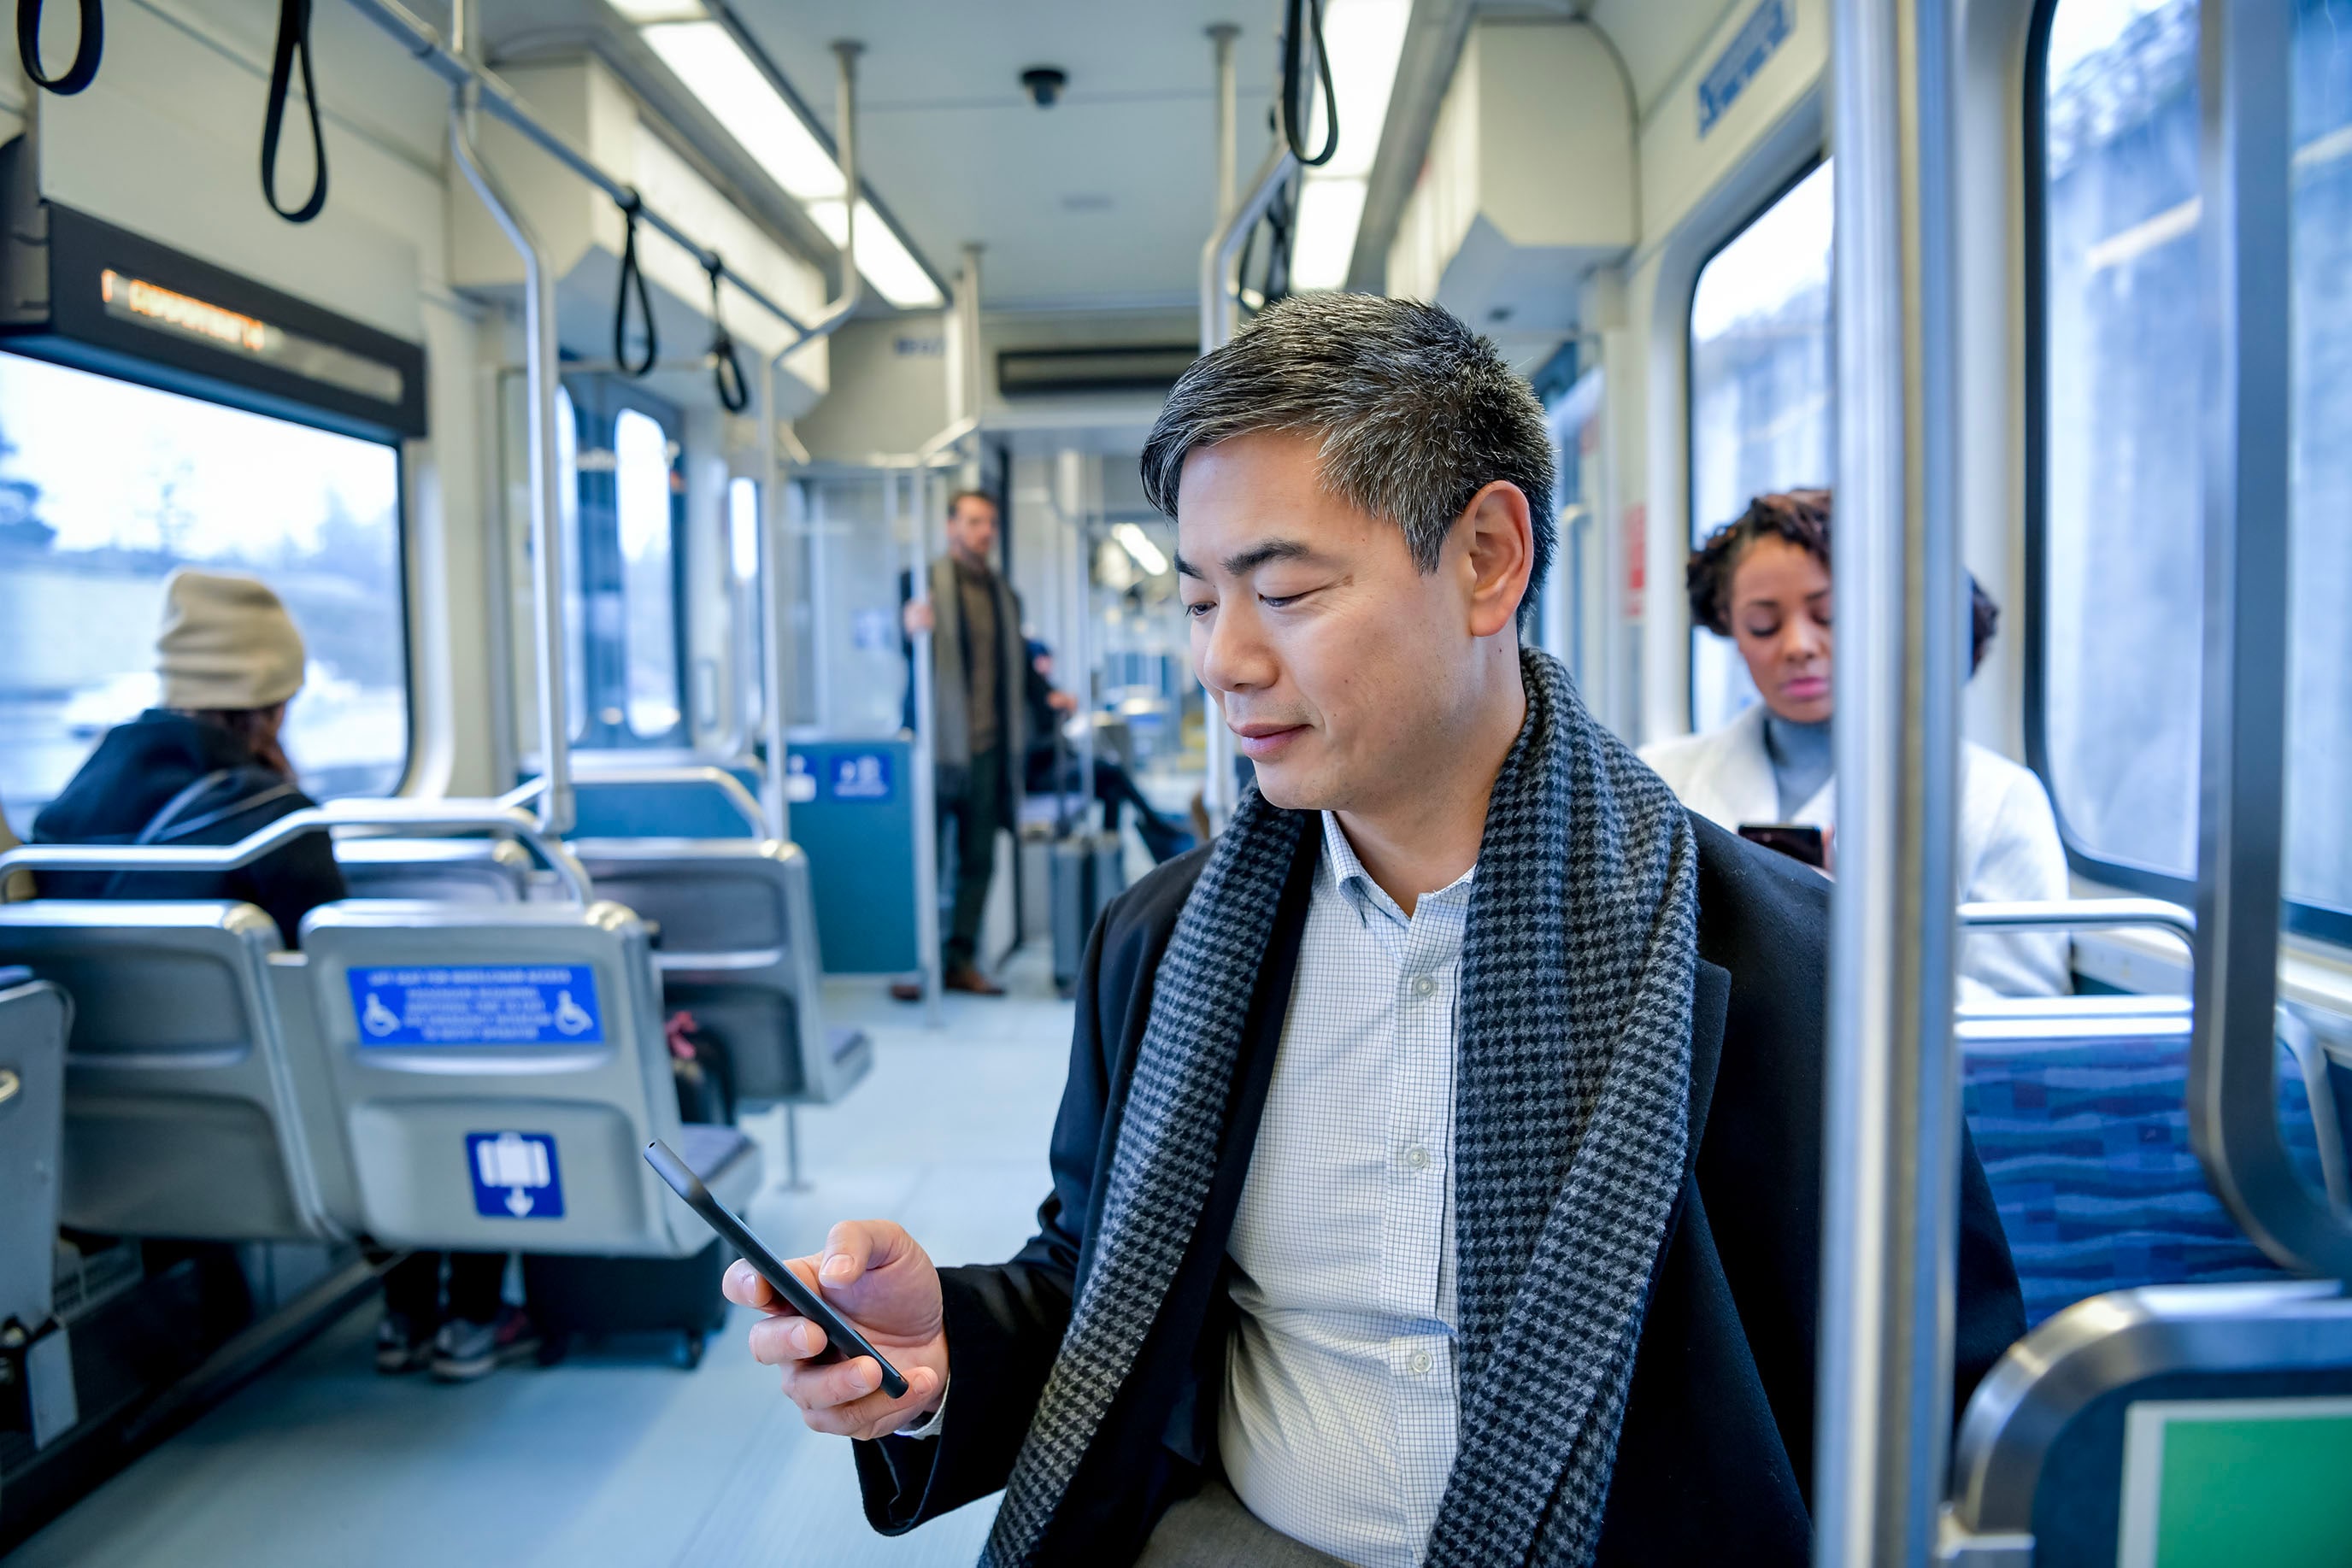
(1438, 1175)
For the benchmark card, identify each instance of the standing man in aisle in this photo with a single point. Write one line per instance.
(977, 658)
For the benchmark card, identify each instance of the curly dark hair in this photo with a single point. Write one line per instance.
(1800, 517)
(1803, 517)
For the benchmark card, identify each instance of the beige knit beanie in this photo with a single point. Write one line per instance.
(226, 642)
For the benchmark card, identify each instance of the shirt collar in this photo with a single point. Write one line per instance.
(1348, 873)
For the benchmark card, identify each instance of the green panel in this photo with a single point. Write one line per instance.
(2274, 1491)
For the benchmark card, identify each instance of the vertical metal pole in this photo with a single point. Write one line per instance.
(964, 399)
(2246, 148)
(926, 761)
(1221, 36)
(1892, 1127)
(1073, 504)
(820, 600)
(540, 380)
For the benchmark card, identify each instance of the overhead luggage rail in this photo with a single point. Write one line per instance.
(419, 817)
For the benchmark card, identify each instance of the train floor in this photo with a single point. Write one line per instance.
(619, 1457)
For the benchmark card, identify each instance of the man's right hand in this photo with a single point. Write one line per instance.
(917, 616)
(875, 1275)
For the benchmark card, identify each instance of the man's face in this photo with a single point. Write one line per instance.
(971, 529)
(1338, 663)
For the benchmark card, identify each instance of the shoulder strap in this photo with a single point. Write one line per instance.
(196, 791)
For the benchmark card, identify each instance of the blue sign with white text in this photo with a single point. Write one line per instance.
(515, 1175)
(477, 1004)
(860, 776)
(1766, 29)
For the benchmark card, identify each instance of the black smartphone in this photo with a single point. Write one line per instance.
(1799, 843)
(842, 1343)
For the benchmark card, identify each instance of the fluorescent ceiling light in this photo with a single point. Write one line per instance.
(1328, 214)
(715, 68)
(642, 12)
(1138, 544)
(1364, 40)
(882, 257)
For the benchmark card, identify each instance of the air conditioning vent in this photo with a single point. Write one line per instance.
(1141, 367)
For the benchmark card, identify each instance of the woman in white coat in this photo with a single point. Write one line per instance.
(1763, 580)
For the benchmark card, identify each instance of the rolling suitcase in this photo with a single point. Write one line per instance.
(1084, 874)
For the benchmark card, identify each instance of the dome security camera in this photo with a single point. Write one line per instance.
(1044, 84)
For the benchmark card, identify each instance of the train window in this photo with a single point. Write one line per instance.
(2117, 516)
(743, 565)
(641, 477)
(106, 487)
(1762, 404)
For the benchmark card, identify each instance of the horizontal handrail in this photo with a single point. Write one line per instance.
(405, 816)
(2080, 914)
(588, 775)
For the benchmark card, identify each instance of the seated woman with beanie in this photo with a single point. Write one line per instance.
(207, 768)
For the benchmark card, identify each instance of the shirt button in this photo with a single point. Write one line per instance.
(1419, 1362)
(1423, 986)
(1416, 1158)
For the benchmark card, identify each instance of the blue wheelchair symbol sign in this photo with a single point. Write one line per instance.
(515, 1175)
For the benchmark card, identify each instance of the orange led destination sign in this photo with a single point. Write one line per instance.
(152, 304)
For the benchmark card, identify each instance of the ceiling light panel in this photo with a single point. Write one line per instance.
(1364, 40)
(882, 257)
(715, 68)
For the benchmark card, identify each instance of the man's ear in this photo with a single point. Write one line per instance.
(1499, 554)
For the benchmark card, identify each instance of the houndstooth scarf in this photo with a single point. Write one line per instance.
(1572, 1085)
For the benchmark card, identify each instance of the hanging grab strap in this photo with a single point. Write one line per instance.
(293, 39)
(1307, 17)
(726, 368)
(632, 276)
(84, 70)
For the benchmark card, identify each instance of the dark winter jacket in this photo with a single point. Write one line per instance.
(1715, 1458)
(138, 770)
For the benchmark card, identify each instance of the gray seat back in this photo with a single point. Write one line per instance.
(34, 1016)
(737, 947)
(498, 1070)
(459, 870)
(184, 1117)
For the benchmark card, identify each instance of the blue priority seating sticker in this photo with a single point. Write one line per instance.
(515, 1175)
(477, 1004)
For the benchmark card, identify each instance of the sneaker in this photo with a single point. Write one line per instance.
(399, 1347)
(465, 1350)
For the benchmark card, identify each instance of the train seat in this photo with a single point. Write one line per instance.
(34, 1016)
(472, 871)
(2075, 1104)
(498, 1070)
(737, 950)
(186, 1114)
(2180, 1424)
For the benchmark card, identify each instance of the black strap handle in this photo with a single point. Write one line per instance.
(1311, 14)
(632, 276)
(726, 368)
(84, 70)
(293, 42)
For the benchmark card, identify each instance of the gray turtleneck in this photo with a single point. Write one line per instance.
(1802, 760)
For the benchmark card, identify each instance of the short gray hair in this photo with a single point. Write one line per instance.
(1416, 413)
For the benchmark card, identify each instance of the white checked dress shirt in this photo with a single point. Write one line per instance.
(1337, 1426)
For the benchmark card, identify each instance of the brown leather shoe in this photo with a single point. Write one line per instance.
(965, 977)
(906, 990)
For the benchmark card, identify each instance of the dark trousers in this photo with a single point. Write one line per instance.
(411, 1287)
(1115, 790)
(977, 805)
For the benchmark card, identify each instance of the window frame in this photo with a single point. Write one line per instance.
(1692, 632)
(404, 564)
(2315, 921)
(598, 399)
